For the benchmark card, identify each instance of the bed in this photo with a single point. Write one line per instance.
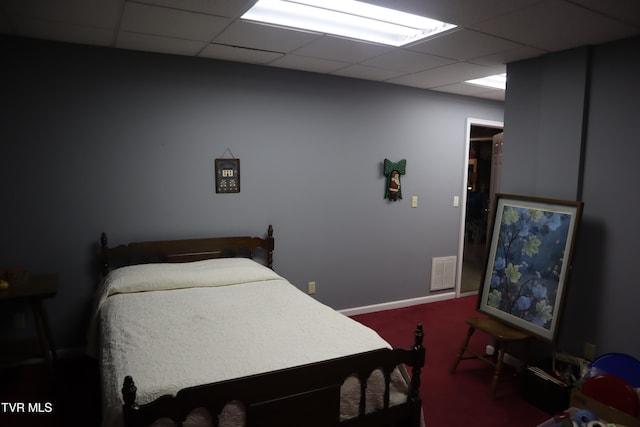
(203, 332)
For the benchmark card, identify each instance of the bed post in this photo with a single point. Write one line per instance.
(270, 251)
(129, 390)
(104, 244)
(418, 349)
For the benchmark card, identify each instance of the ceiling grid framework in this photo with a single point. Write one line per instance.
(490, 34)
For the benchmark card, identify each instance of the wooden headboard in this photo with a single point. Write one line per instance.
(185, 250)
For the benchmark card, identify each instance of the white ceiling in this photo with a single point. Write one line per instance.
(490, 34)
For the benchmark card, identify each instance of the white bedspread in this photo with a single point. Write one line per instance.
(172, 326)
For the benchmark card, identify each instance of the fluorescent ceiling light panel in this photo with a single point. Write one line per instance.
(498, 81)
(347, 18)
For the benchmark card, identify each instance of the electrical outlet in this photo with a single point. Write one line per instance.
(312, 288)
(589, 351)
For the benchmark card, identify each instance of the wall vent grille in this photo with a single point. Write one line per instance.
(443, 273)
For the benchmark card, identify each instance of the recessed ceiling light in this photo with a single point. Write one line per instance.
(347, 18)
(498, 81)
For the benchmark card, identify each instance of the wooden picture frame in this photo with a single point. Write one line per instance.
(529, 262)
(227, 173)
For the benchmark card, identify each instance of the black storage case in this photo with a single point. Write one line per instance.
(543, 393)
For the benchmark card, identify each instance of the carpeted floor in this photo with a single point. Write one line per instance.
(461, 399)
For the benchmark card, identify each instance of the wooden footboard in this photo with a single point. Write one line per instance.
(307, 395)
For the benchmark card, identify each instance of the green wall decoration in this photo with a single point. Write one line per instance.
(393, 171)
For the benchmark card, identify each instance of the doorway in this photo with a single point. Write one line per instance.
(482, 177)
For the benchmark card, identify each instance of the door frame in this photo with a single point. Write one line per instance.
(463, 199)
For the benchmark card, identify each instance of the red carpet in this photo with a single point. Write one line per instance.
(461, 399)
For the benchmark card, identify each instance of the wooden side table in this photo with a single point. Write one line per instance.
(34, 291)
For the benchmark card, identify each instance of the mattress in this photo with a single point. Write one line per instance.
(172, 326)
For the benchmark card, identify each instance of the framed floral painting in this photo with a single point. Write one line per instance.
(529, 262)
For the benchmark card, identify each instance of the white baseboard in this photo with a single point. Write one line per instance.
(397, 304)
(468, 294)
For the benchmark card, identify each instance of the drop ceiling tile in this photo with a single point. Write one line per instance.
(407, 61)
(464, 44)
(624, 10)
(500, 59)
(239, 54)
(446, 75)
(338, 49)
(459, 12)
(102, 14)
(383, 3)
(462, 89)
(496, 95)
(266, 37)
(554, 25)
(228, 8)
(495, 68)
(151, 43)
(368, 73)
(161, 21)
(305, 63)
(491, 34)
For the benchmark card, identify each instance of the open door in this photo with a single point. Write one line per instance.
(496, 169)
(482, 177)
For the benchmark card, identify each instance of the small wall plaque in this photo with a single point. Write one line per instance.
(227, 175)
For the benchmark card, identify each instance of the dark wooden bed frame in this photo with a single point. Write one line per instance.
(307, 395)
(185, 250)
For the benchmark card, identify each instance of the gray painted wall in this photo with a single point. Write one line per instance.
(544, 122)
(107, 140)
(568, 108)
